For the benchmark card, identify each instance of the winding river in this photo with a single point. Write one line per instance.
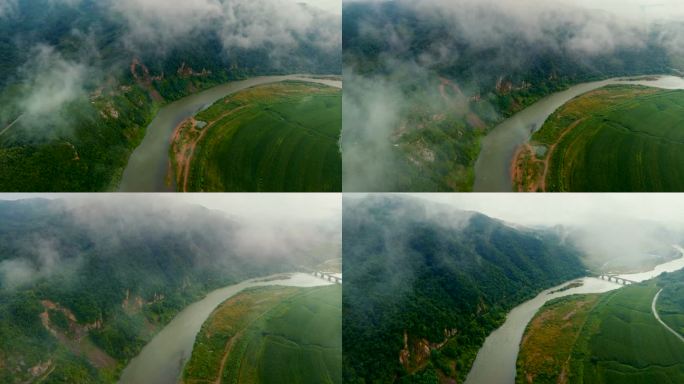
(493, 166)
(148, 165)
(495, 362)
(162, 359)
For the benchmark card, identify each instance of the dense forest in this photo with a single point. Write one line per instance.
(426, 283)
(448, 85)
(79, 83)
(85, 285)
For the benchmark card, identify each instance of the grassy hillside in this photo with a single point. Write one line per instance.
(281, 137)
(271, 335)
(85, 287)
(425, 284)
(608, 338)
(618, 138)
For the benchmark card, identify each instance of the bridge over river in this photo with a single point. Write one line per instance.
(328, 276)
(617, 279)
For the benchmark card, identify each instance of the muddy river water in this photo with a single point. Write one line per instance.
(493, 166)
(162, 359)
(148, 165)
(495, 362)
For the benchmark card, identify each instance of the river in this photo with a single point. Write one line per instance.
(493, 166)
(147, 167)
(495, 362)
(162, 359)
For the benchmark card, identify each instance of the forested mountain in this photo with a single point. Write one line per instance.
(80, 80)
(84, 285)
(426, 283)
(427, 79)
(508, 66)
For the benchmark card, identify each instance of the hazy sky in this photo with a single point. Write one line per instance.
(652, 9)
(566, 208)
(334, 6)
(280, 206)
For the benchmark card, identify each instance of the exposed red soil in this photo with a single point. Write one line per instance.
(76, 340)
(526, 152)
(184, 142)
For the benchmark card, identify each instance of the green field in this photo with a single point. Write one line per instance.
(671, 303)
(615, 340)
(617, 138)
(271, 335)
(550, 337)
(282, 137)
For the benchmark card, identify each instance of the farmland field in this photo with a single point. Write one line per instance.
(280, 137)
(671, 304)
(610, 339)
(550, 338)
(271, 335)
(617, 138)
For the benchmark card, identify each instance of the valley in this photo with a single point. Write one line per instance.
(101, 289)
(403, 256)
(437, 108)
(438, 294)
(81, 83)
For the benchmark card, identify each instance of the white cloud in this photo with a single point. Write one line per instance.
(53, 82)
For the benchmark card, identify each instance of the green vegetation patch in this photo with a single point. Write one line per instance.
(617, 138)
(272, 335)
(280, 137)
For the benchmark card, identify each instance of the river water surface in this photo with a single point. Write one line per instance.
(162, 359)
(148, 165)
(495, 362)
(493, 166)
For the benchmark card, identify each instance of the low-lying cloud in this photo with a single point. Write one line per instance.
(280, 34)
(279, 26)
(45, 261)
(53, 81)
(210, 236)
